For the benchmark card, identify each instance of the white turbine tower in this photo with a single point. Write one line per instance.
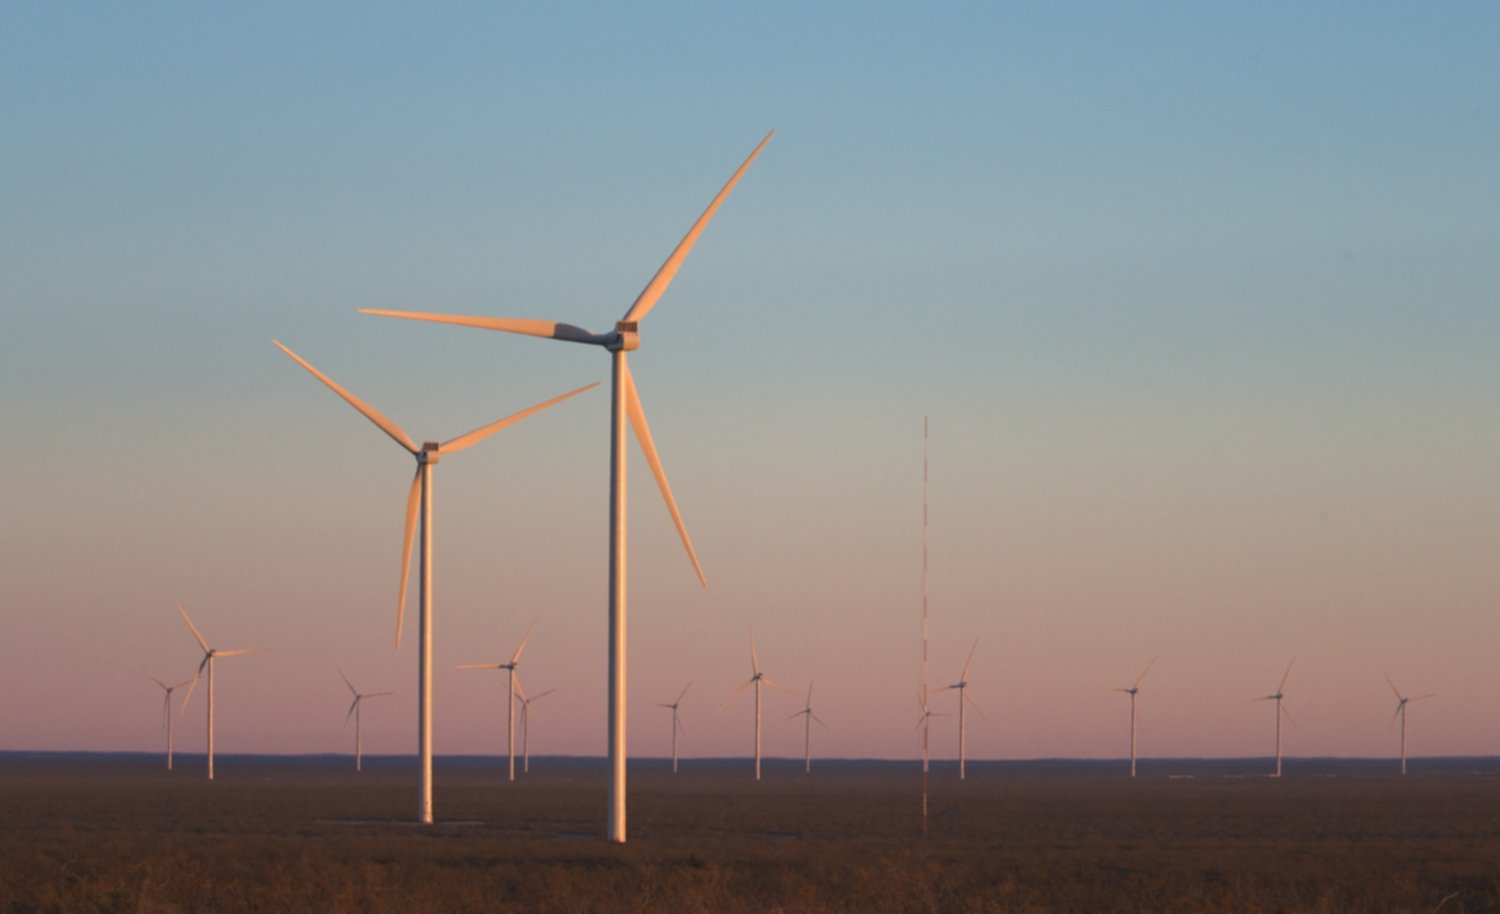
(625, 406)
(526, 704)
(1401, 703)
(756, 679)
(209, 655)
(1132, 693)
(808, 717)
(1277, 696)
(964, 698)
(166, 709)
(354, 711)
(676, 723)
(427, 457)
(513, 687)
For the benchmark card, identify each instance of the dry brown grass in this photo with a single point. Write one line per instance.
(107, 835)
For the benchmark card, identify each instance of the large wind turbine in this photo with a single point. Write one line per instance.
(209, 654)
(427, 456)
(1132, 693)
(1280, 710)
(354, 711)
(964, 698)
(166, 709)
(1401, 702)
(756, 679)
(676, 723)
(808, 717)
(526, 704)
(625, 406)
(513, 686)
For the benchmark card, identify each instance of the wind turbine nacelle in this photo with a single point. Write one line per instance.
(626, 338)
(431, 452)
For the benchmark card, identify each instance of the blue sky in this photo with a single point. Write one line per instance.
(1201, 301)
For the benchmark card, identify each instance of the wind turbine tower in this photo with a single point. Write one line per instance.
(756, 679)
(1277, 696)
(420, 496)
(354, 711)
(1401, 702)
(209, 655)
(625, 408)
(526, 704)
(513, 687)
(808, 717)
(676, 723)
(964, 698)
(166, 710)
(1132, 691)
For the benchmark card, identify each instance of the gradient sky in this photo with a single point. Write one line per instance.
(1201, 300)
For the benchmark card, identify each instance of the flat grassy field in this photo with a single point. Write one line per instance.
(113, 834)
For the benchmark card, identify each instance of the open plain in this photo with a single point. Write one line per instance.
(120, 833)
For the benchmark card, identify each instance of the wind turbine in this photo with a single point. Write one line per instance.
(1132, 693)
(808, 717)
(512, 688)
(1401, 702)
(625, 406)
(354, 709)
(209, 655)
(676, 723)
(1280, 710)
(526, 725)
(756, 679)
(964, 698)
(427, 456)
(166, 709)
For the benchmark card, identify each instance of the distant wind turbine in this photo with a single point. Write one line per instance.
(964, 698)
(676, 723)
(808, 717)
(166, 709)
(625, 406)
(427, 456)
(513, 686)
(209, 655)
(526, 704)
(1280, 710)
(354, 711)
(756, 679)
(1132, 693)
(1401, 702)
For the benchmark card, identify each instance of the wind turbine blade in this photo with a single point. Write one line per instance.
(754, 661)
(1145, 671)
(683, 692)
(240, 650)
(196, 634)
(975, 705)
(735, 693)
(154, 679)
(348, 683)
(819, 720)
(192, 684)
(809, 693)
(520, 691)
(648, 447)
(377, 694)
(1288, 672)
(1392, 724)
(664, 275)
(384, 424)
(677, 722)
(479, 434)
(964, 676)
(352, 705)
(778, 686)
(1288, 712)
(481, 666)
(413, 501)
(516, 657)
(1388, 682)
(539, 697)
(796, 714)
(1420, 697)
(546, 329)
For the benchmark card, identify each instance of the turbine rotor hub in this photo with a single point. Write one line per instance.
(626, 337)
